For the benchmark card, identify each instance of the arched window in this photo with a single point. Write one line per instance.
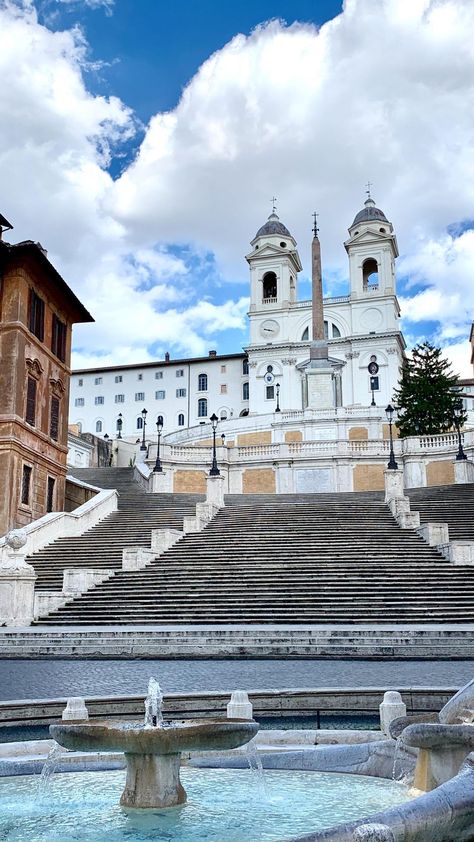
(245, 391)
(139, 423)
(98, 426)
(202, 408)
(305, 336)
(370, 273)
(269, 285)
(223, 414)
(244, 413)
(180, 420)
(335, 332)
(202, 383)
(245, 366)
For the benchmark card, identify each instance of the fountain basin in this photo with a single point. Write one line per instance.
(152, 754)
(442, 749)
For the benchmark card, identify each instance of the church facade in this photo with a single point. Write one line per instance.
(354, 363)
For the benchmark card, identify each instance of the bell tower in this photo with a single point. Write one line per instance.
(274, 265)
(372, 249)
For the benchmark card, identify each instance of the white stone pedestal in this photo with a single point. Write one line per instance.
(215, 491)
(75, 710)
(393, 483)
(17, 588)
(391, 708)
(239, 706)
(463, 471)
(161, 482)
(320, 387)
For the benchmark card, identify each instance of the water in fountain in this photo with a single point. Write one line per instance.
(256, 769)
(399, 773)
(154, 705)
(49, 768)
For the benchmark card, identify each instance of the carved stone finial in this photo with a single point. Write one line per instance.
(16, 538)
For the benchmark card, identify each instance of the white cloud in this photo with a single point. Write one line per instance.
(384, 91)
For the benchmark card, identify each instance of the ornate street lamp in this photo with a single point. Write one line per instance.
(457, 417)
(119, 425)
(159, 426)
(278, 398)
(392, 465)
(214, 472)
(144, 415)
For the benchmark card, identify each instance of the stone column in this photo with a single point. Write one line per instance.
(463, 471)
(17, 582)
(161, 482)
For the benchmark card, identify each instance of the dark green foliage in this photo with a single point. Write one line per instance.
(428, 394)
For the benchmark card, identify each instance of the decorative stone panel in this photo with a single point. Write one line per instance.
(260, 437)
(368, 477)
(190, 482)
(293, 435)
(259, 481)
(440, 472)
(358, 434)
(386, 431)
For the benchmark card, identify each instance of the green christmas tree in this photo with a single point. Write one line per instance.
(428, 394)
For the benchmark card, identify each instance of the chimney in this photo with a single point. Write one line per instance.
(213, 353)
(167, 357)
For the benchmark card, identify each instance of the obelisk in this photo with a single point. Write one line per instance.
(319, 373)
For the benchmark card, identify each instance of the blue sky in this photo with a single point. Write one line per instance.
(150, 138)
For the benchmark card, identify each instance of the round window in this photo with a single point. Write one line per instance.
(283, 245)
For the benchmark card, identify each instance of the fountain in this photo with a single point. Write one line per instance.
(153, 750)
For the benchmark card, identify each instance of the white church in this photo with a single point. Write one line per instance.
(358, 362)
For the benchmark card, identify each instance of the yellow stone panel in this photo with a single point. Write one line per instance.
(190, 482)
(386, 431)
(293, 435)
(260, 437)
(440, 472)
(368, 477)
(258, 481)
(358, 434)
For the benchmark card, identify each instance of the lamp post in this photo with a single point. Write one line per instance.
(144, 415)
(392, 465)
(159, 426)
(214, 472)
(277, 409)
(119, 425)
(457, 416)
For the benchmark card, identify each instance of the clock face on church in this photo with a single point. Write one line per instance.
(269, 328)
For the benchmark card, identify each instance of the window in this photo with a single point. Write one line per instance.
(180, 372)
(58, 339)
(202, 408)
(245, 391)
(119, 398)
(202, 383)
(30, 416)
(36, 315)
(50, 494)
(305, 335)
(223, 414)
(98, 426)
(335, 332)
(269, 286)
(370, 277)
(139, 423)
(270, 393)
(99, 400)
(158, 375)
(180, 393)
(160, 395)
(223, 388)
(140, 377)
(139, 396)
(80, 382)
(118, 378)
(374, 384)
(180, 420)
(245, 366)
(25, 485)
(223, 369)
(97, 381)
(79, 427)
(79, 402)
(54, 419)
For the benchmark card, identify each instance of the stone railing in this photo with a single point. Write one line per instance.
(447, 442)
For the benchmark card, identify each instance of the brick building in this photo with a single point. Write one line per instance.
(37, 311)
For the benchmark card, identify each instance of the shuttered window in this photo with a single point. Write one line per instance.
(25, 485)
(54, 419)
(58, 339)
(50, 495)
(36, 315)
(30, 416)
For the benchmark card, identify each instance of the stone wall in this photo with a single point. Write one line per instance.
(259, 437)
(440, 472)
(358, 434)
(293, 435)
(76, 495)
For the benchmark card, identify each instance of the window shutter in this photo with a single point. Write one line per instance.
(54, 419)
(31, 401)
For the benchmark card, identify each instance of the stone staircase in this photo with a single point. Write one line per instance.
(101, 547)
(451, 504)
(280, 559)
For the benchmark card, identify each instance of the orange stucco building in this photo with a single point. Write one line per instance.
(37, 311)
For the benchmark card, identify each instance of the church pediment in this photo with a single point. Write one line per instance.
(272, 251)
(369, 236)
